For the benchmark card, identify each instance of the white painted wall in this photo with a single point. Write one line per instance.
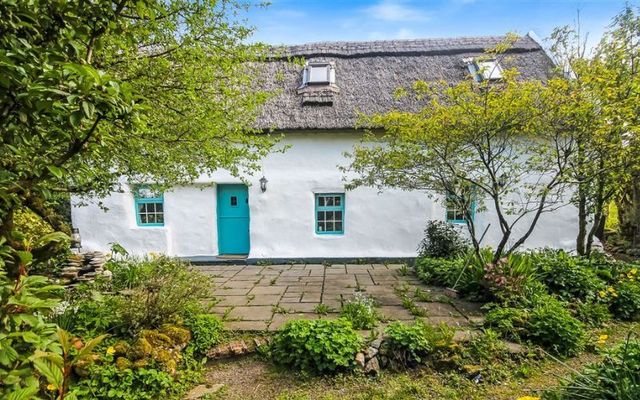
(388, 224)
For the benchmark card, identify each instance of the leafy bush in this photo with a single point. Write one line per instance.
(442, 240)
(626, 302)
(568, 277)
(156, 290)
(316, 346)
(410, 344)
(206, 330)
(88, 313)
(509, 276)
(544, 320)
(459, 273)
(552, 326)
(110, 382)
(616, 377)
(360, 311)
(592, 312)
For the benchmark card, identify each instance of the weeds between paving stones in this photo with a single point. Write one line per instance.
(403, 270)
(278, 309)
(423, 295)
(322, 309)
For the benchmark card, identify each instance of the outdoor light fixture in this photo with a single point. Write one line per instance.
(263, 184)
(76, 240)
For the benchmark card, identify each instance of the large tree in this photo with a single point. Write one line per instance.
(152, 90)
(498, 146)
(606, 160)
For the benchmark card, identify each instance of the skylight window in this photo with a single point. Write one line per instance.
(484, 70)
(318, 74)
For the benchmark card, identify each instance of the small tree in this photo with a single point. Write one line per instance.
(502, 146)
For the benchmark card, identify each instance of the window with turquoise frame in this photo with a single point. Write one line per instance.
(330, 213)
(149, 206)
(456, 210)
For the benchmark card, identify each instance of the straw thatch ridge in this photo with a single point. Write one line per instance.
(369, 73)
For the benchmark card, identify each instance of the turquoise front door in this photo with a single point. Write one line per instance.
(233, 219)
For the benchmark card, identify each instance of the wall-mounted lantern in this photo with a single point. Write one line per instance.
(263, 184)
(76, 240)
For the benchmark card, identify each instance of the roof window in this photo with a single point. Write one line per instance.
(318, 74)
(484, 70)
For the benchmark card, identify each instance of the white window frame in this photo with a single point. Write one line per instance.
(484, 70)
(330, 78)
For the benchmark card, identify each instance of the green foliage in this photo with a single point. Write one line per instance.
(411, 344)
(616, 377)
(593, 312)
(85, 97)
(626, 305)
(88, 313)
(109, 382)
(568, 277)
(361, 311)
(316, 346)
(442, 240)
(552, 326)
(458, 273)
(541, 319)
(206, 331)
(156, 290)
(24, 332)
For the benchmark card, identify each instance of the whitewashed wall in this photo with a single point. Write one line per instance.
(388, 224)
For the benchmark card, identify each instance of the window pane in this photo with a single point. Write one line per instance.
(143, 218)
(329, 201)
(151, 218)
(329, 215)
(160, 218)
(320, 226)
(321, 201)
(320, 216)
(141, 208)
(338, 226)
(338, 216)
(234, 201)
(451, 215)
(337, 200)
(329, 226)
(159, 207)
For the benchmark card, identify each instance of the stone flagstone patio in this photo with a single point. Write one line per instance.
(261, 298)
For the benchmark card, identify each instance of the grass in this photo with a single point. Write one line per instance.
(252, 378)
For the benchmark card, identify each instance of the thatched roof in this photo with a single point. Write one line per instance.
(368, 74)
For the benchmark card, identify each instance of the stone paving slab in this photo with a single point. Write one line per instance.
(254, 298)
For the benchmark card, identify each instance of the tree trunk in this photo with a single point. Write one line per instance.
(582, 220)
(629, 212)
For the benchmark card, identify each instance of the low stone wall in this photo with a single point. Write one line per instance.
(84, 267)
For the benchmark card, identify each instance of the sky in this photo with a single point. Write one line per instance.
(303, 21)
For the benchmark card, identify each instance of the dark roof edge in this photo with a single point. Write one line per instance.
(407, 53)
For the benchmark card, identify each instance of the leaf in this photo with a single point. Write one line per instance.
(90, 345)
(23, 394)
(51, 372)
(75, 118)
(56, 171)
(88, 109)
(25, 257)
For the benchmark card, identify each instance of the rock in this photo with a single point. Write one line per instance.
(360, 360)
(372, 367)
(376, 343)
(371, 352)
(238, 347)
(383, 361)
(462, 336)
(201, 391)
(515, 348)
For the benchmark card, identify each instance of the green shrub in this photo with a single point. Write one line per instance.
(544, 320)
(89, 314)
(592, 312)
(442, 240)
(509, 276)
(568, 277)
(156, 290)
(551, 325)
(510, 322)
(109, 382)
(206, 331)
(361, 312)
(616, 377)
(410, 344)
(316, 346)
(461, 274)
(626, 302)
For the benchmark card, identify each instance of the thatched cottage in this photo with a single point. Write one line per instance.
(301, 208)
